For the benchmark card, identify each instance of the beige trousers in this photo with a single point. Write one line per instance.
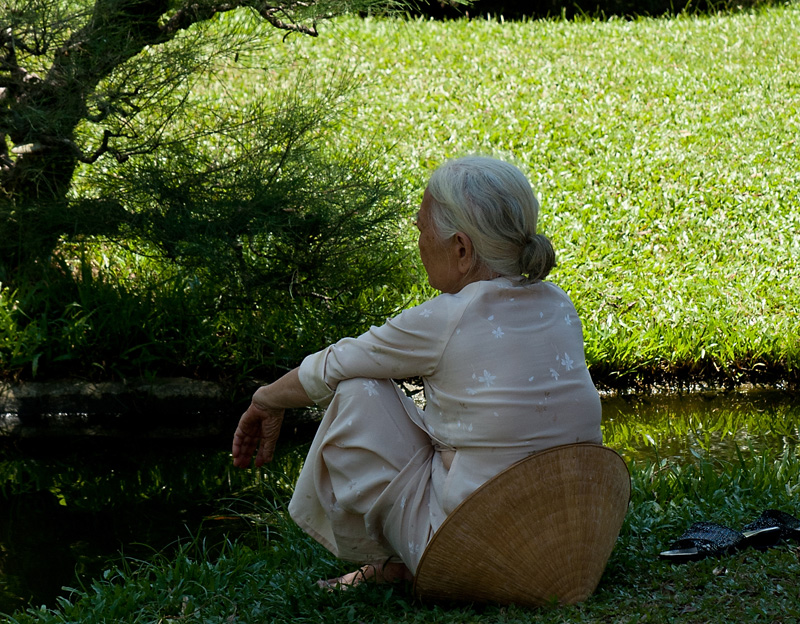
(365, 488)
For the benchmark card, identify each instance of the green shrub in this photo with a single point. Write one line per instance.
(249, 250)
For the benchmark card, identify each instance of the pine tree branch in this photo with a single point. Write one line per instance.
(192, 13)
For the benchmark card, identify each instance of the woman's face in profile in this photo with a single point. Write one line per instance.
(435, 253)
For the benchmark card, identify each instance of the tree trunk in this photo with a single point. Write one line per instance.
(45, 113)
(40, 115)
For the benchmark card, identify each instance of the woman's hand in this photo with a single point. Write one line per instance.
(260, 426)
(258, 429)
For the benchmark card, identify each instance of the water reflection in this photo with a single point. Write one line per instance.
(719, 426)
(66, 511)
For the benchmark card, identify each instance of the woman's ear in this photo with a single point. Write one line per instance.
(462, 251)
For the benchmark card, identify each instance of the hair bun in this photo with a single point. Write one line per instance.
(537, 258)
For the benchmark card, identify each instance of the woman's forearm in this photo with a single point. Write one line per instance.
(284, 393)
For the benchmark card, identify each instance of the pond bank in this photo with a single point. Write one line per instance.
(159, 409)
(182, 408)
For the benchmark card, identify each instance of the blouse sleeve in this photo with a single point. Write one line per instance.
(408, 345)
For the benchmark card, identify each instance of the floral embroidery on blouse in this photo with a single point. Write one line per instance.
(487, 378)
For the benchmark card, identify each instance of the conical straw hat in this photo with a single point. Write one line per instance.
(538, 533)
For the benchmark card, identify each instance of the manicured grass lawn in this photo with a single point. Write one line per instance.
(664, 152)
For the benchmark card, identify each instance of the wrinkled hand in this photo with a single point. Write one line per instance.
(259, 428)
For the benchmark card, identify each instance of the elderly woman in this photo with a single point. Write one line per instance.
(500, 353)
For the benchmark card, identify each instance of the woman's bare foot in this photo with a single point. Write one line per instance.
(379, 573)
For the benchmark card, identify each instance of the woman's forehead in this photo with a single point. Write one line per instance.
(424, 212)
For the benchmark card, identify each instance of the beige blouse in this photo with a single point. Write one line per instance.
(504, 374)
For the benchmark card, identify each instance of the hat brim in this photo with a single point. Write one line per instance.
(538, 533)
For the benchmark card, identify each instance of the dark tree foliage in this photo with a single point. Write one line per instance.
(259, 228)
(70, 63)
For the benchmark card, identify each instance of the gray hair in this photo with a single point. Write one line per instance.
(492, 202)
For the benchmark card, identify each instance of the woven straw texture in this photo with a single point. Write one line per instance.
(538, 533)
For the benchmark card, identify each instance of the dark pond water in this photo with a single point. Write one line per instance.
(69, 507)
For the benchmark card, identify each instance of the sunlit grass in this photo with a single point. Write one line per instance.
(664, 153)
